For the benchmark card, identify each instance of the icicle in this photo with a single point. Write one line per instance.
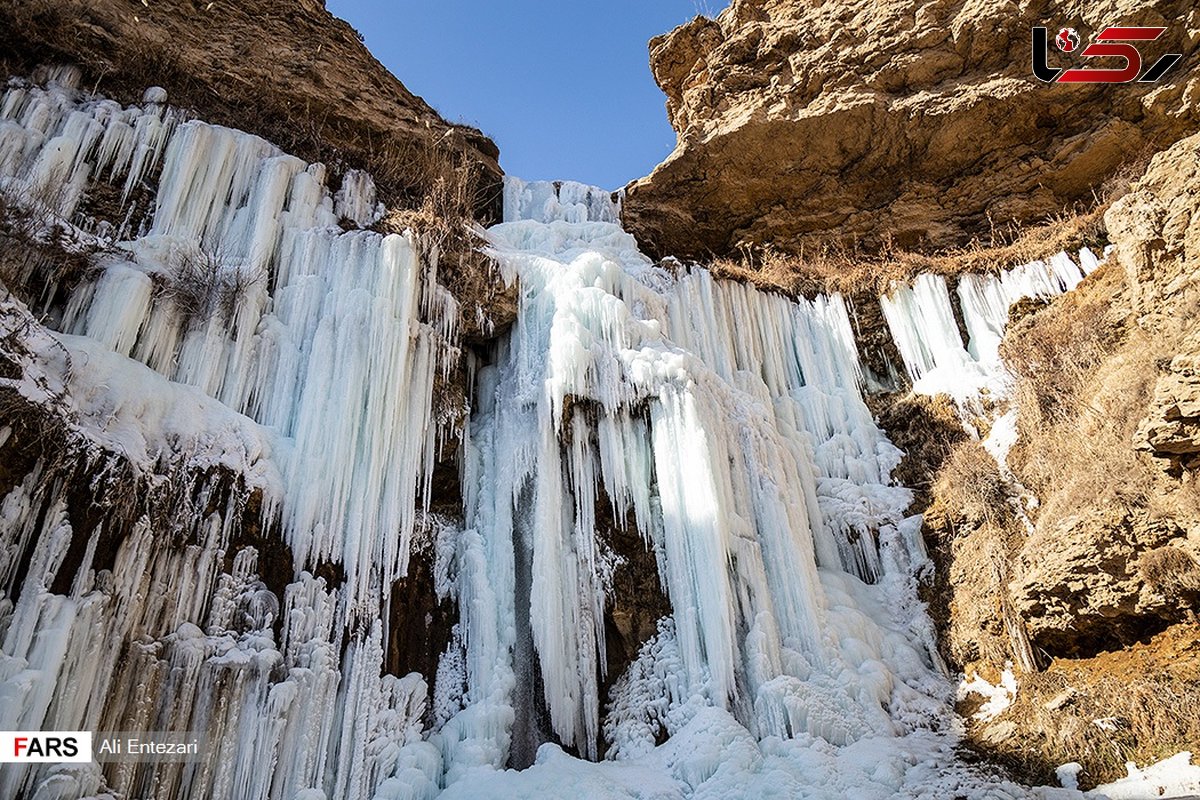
(252, 304)
(922, 323)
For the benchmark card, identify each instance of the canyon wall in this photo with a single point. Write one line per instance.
(909, 124)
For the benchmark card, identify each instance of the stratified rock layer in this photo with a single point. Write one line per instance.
(908, 122)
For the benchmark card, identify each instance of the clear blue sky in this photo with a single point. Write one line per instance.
(564, 88)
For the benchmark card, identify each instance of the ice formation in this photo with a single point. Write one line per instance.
(568, 201)
(274, 347)
(727, 425)
(266, 380)
(922, 320)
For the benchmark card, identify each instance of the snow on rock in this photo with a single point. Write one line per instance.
(997, 697)
(132, 410)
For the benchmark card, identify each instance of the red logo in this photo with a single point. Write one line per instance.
(1067, 40)
(1112, 42)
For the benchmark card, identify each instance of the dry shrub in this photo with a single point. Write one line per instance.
(1172, 571)
(443, 219)
(200, 286)
(969, 484)
(926, 428)
(438, 183)
(37, 256)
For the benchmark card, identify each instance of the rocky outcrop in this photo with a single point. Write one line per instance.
(1084, 556)
(1078, 586)
(907, 122)
(1171, 429)
(1158, 230)
(1117, 404)
(287, 70)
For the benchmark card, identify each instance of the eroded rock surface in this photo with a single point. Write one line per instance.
(911, 122)
(1120, 517)
(1171, 429)
(1078, 585)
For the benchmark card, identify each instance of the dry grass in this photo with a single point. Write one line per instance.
(443, 218)
(836, 269)
(442, 185)
(1085, 376)
(975, 524)
(1055, 353)
(970, 483)
(1172, 571)
(1140, 705)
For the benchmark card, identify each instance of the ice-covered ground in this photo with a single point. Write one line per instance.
(1172, 777)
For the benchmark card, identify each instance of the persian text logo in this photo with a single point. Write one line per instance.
(54, 747)
(1113, 42)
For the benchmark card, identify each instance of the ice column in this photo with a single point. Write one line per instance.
(727, 424)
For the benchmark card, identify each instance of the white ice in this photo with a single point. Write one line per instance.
(234, 325)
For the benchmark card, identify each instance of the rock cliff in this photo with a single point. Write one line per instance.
(1096, 582)
(911, 123)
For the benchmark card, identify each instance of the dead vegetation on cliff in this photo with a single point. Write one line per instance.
(1085, 375)
(823, 270)
(1141, 705)
(38, 256)
(447, 232)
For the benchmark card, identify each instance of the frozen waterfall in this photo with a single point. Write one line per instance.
(922, 321)
(245, 382)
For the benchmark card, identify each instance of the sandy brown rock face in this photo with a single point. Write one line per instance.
(919, 123)
(1078, 585)
(1171, 428)
(1157, 229)
(1121, 417)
